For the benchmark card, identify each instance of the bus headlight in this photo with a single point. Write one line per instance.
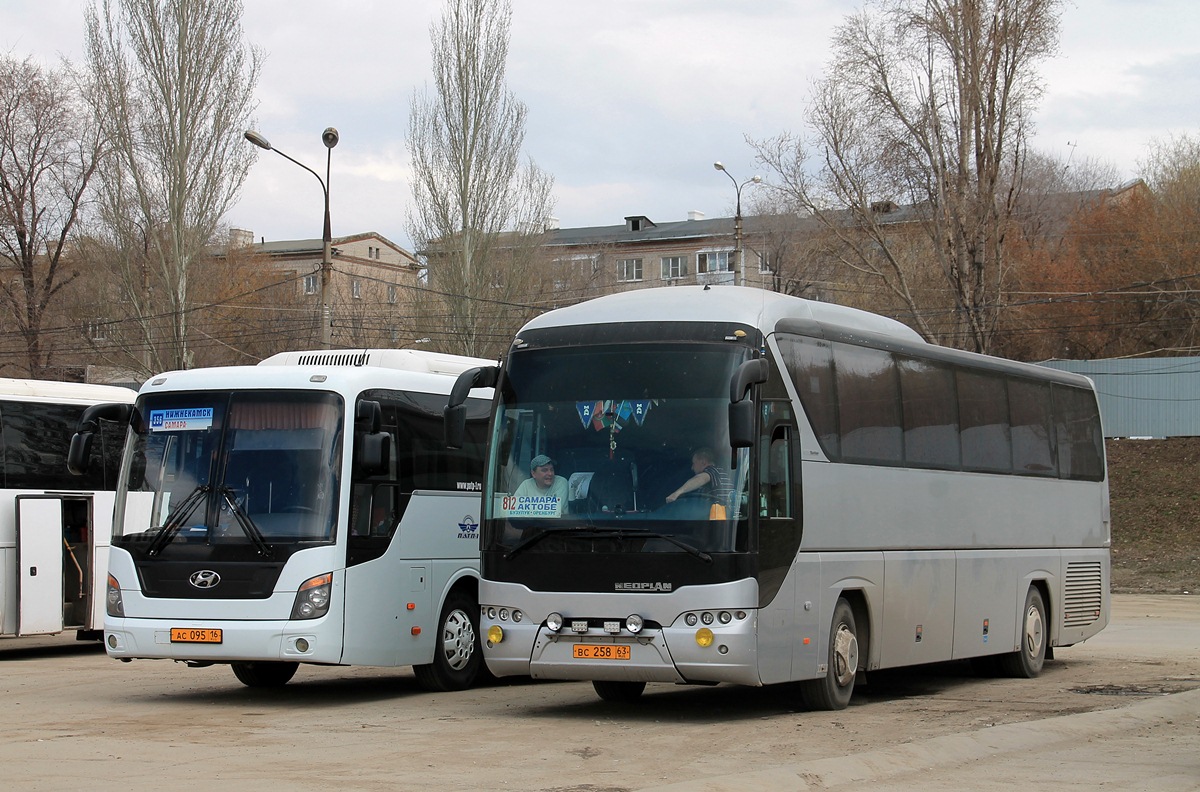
(113, 605)
(554, 622)
(312, 600)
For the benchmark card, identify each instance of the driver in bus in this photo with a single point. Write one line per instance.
(708, 479)
(543, 483)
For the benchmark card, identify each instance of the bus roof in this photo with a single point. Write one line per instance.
(345, 371)
(745, 305)
(401, 359)
(53, 391)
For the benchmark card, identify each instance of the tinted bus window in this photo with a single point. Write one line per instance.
(868, 404)
(1078, 434)
(983, 417)
(1029, 403)
(930, 414)
(36, 439)
(810, 363)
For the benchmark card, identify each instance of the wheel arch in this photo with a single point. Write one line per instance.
(859, 606)
(465, 580)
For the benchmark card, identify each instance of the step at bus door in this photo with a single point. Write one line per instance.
(40, 564)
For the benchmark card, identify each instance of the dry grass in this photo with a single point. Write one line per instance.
(1154, 486)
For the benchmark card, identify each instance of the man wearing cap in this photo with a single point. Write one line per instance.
(543, 484)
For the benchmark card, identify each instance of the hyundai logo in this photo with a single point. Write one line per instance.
(204, 579)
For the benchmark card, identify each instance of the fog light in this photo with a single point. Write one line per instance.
(704, 637)
(554, 622)
(112, 641)
(302, 645)
(634, 623)
(495, 635)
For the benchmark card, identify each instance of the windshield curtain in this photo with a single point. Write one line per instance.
(223, 467)
(624, 428)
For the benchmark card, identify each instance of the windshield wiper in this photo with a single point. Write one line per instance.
(625, 533)
(542, 534)
(175, 519)
(618, 533)
(247, 525)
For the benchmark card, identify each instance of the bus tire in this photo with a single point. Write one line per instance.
(457, 657)
(264, 673)
(618, 691)
(1027, 661)
(832, 691)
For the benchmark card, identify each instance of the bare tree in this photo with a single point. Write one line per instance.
(926, 104)
(477, 213)
(172, 85)
(48, 154)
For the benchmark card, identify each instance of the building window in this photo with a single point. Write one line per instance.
(673, 267)
(392, 295)
(356, 289)
(717, 261)
(310, 284)
(764, 262)
(96, 329)
(629, 269)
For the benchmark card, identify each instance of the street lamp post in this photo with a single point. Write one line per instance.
(330, 138)
(738, 269)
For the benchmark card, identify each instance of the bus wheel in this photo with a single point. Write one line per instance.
(264, 674)
(457, 659)
(618, 691)
(832, 691)
(1026, 662)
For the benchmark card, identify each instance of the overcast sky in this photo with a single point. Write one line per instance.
(630, 101)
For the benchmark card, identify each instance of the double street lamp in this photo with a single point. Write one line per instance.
(330, 138)
(738, 269)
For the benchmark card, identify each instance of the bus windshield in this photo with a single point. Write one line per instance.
(616, 448)
(256, 468)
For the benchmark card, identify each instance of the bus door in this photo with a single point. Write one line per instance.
(54, 558)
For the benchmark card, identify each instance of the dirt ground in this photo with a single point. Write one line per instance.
(75, 719)
(1154, 486)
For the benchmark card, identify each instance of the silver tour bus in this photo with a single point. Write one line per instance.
(732, 485)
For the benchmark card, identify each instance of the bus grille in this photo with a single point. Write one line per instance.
(1084, 593)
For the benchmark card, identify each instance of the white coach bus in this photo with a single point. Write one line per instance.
(762, 489)
(54, 528)
(305, 510)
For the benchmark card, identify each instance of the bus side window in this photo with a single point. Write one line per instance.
(775, 462)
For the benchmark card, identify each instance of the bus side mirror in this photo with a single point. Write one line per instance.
(741, 424)
(372, 452)
(79, 454)
(455, 414)
(741, 409)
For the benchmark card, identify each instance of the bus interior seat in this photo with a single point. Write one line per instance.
(610, 482)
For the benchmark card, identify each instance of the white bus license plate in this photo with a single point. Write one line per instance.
(192, 635)
(600, 652)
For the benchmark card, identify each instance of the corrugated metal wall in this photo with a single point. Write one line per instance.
(1144, 397)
